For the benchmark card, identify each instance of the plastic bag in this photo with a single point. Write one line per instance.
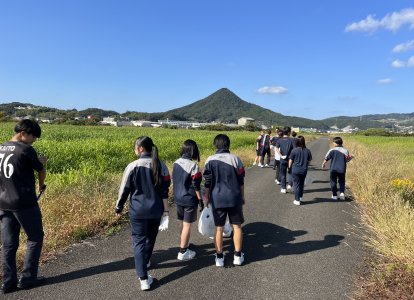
(228, 229)
(206, 222)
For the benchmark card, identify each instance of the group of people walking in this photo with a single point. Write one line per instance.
(145, 183)
(292, 158)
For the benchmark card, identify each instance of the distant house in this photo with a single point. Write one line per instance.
(141, 123)
(244, 121)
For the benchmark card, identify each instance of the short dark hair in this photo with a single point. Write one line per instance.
(338, 140)
(286, 130)
(28, 126)
(222, 142)
(190, 148)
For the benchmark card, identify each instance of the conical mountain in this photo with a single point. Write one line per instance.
(226, 107)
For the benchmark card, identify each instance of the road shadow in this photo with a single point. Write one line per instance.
(307, 191)
(263, 241)
(324, 200)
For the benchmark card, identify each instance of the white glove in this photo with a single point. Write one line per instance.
(164, 223)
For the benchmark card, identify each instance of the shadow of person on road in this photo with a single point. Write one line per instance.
(125, 264)
(263, 241)
(204, 258)
(159, 259)
(325, 200)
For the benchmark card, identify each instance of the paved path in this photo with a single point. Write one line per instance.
(292, 252)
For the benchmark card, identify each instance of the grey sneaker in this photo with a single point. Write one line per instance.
(187, 255)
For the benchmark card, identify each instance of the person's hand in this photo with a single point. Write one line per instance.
(164, 223)
(118, 211)
(323, 165)
(284, 156)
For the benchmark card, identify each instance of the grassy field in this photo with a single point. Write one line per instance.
(85, 167)
(382, 180)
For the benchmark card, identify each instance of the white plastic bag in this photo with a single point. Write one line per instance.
(228, 229)
(206, 222)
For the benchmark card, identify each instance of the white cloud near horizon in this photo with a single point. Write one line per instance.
(404, 47)
(385, 81)
(278, 90)
(403, 64)
(392, 22)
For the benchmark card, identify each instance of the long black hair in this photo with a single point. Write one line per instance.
(190, 149)
(147, 143)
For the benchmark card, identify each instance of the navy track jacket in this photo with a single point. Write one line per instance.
(138, 184)
(339, 156)
(224, 174)
(186, 178)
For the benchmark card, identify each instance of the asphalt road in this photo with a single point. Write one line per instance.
(291, 252)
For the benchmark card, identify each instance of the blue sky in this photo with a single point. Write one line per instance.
(313, 59)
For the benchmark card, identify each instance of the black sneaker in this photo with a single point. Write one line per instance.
(8, 289)
(28, 283)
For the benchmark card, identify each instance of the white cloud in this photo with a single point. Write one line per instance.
(278, 90)
(398, 64)
(410, 62)
(391, 22)
(403, 47)
(385, 81)
(403, 64)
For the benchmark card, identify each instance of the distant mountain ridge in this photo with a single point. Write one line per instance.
(221, 106)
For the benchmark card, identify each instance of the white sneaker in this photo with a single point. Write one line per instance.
(219, 261)
(238, 260)
(266, 165)
(254, 163)
(289, 187)
(296, 202)
(277, 181)
(146, 284)
(342, 196)
(260, 165)
(283, 191)
(187, 255)
(334, 198)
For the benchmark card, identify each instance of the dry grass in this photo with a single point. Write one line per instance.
(389, 218)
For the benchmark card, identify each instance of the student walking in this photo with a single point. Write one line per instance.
(276, 165)
(298, 162)
(265, 149)
(146, 182)
(224, 189)
(339, 157)
(284, 145)
(19, 206)
(258, 149)
(186, 186)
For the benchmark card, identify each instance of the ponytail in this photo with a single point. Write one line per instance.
(156, 168)
(147, 143)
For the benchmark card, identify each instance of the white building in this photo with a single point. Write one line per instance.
(244, 121)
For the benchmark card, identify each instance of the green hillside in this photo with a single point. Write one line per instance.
(226, 107)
